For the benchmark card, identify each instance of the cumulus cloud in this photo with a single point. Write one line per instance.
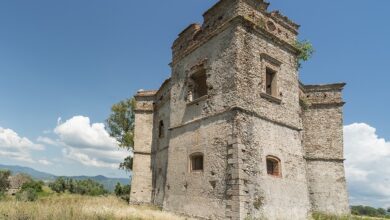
(87, 143)
(80, 133)
(16, 147)
(367, 165)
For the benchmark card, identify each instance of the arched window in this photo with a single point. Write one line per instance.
(196, 162)
(161, 129)
(274, 166)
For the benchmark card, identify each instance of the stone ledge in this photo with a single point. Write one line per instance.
(142, 152)
(271, 98)
(324, 159)
(324, 87)
(196, 101)
(236, 108)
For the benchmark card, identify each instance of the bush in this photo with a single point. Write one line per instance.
(4, 180)
(368, 211)
(27, 195)
(35, 185)
(58, 185)
(123, 192)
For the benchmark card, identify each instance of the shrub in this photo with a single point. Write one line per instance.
(123, 192)
(27, 195)
(58, 185)
(368, 211)
(35, 185)
(4, 180)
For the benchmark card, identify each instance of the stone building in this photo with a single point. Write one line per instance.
(234, 133)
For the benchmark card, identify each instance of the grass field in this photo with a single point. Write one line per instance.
(51, 206)
(75, 207)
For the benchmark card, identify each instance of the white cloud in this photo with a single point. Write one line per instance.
(10, 139)
(45, 162)
(80, 133)
(88, 144)
(15, 147)
(48, 141)
(367, 165)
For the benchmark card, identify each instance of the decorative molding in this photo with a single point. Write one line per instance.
(238, 20)
(324, 159)
(324, 88)
(144, 111)
(240, 109)
(142, 153)
(270, 59)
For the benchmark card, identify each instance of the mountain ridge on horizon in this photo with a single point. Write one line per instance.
(108, 182)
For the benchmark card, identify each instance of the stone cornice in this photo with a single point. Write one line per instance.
(238, 20)
(142, 153)
(242, 110)
(324, 87)
(143, 111)
(146, 93)
(326, 105)
(340, 160)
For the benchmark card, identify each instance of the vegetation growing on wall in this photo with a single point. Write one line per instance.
(306, 51)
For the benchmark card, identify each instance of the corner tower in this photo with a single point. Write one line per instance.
(238, 140)
(235, 106)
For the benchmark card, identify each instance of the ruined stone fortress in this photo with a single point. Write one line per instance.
(234, 134)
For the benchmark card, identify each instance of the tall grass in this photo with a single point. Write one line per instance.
(75, 207)
(320, 216)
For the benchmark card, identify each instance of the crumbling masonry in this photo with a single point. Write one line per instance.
(233, 133)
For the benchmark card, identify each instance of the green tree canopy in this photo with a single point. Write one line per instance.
(120, 125)
(82, 187)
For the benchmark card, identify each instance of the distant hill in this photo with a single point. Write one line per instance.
(108, 183)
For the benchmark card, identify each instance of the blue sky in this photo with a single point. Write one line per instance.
(62, 59)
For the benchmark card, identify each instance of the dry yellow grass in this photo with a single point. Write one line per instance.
(74, 207)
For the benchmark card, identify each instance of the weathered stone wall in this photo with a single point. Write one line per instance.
(201, 126)
(160, 142)
(268, 197)
(323, 144)
(198, 193)
(141, 187)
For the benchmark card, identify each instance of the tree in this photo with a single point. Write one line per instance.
(388, 210)
(381, 211)
(123, 192)
(58, 185)
(34, 185)
(120, 125)
(118, 189)
(82, 187)
(4, 180)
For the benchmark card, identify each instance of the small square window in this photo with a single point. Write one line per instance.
(273, 166)
(196, 162)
